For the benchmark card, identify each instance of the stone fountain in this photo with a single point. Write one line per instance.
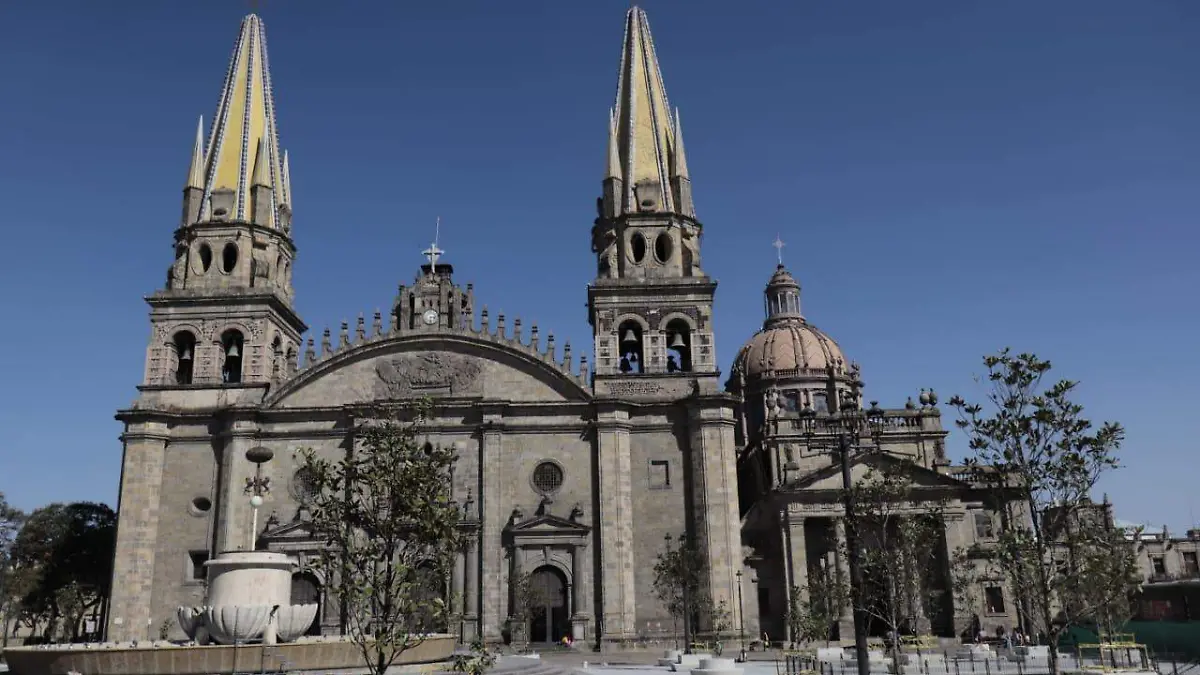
(249, 592)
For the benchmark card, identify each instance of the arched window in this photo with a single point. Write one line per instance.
(276, 358)
(232, 345)
(679, 346)
(632, 355)
(185, 356)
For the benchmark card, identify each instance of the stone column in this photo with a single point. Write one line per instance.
(618, 610)
(785, 546)
(458, 593)
(493, 609)
(797, 555)
(956, 538)
(130, 613)
(579, 594)
(840, 553)
(472, 591)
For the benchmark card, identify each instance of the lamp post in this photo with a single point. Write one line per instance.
(741, 618)
(850, 424)
(257, 486)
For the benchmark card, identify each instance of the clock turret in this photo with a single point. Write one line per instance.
(433, 301)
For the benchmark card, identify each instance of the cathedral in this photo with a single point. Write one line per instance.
(577, 474)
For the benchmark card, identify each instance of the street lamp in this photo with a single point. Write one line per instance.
(741, 617)
(850, 424)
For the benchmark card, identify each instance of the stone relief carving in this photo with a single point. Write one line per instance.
(417, 374)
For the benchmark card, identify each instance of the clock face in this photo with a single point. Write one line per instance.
(430, 316)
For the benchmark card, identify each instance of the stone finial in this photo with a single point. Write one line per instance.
(550, 346)
(909, 405)
(326, 343)
(310, 353)
(516, 336)
(533, 338)
(360, 330)
(566, 361)
(344, 335)
(583, 366)
(500, 327)
(377, 323)
(576, 513)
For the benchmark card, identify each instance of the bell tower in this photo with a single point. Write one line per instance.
(225, 316)
(650, 305)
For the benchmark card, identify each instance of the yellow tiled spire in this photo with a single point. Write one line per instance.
(644, 126)
(244, 122)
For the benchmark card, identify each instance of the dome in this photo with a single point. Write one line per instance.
(788, 346)
(794, 349)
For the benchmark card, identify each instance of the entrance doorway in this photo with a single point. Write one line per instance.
(549, 622)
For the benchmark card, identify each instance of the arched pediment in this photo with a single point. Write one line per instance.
(414, 365)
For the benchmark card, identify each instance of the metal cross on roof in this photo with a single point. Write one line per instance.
(433, 252)
(778, 244)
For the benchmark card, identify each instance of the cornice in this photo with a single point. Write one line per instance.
(228, 297)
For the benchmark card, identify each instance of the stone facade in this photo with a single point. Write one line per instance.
(581, 475)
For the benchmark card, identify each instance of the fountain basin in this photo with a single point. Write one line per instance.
(250, 578)
(309, 654)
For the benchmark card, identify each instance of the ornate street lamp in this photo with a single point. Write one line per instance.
(256, 487)
(856, 430)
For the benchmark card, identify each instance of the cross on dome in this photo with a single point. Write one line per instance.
(778, 244)
(433, 252)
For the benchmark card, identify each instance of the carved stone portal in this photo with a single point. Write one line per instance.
(422, 374)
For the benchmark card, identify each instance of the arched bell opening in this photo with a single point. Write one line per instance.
(185, 356)
(632, 353)
(548, 620)
(277, 364)
(306, 590)
(679, 346)
(232, 345)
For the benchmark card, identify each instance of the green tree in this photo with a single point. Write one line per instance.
(814, 609)
(387, 516)
(1042, 458)
(899, 531)
(65, 551)
(11, 585)
(678, 581)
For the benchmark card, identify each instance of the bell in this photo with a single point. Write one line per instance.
(186, 355)
(233, 350)
(677, 341)
(629, 337)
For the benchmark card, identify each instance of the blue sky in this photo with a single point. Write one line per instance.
(950, 176)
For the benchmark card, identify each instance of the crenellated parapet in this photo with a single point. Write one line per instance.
(480, 327)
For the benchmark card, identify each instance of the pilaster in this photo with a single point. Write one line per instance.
(494, 607)
(471, 625)
(618, 595)
(137, 531)
(233, 507)
(715, 497)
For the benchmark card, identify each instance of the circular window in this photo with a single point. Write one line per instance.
(638, 247)
(205, 257)
(663, 246)
(547, 478)
(304, 484)
(229, 257)
(200, 506)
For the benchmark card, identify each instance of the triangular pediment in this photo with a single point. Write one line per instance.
(296, 530)
(830, 477)
(548, 525)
